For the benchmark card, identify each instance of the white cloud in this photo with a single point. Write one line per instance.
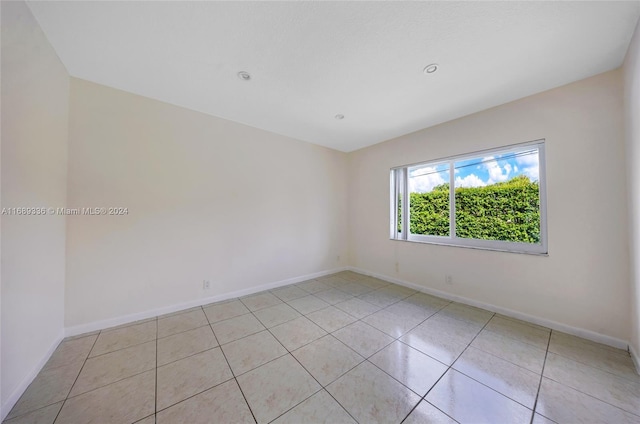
(471, 180)
(496, 172)
(529, 160)
(530, 164)
(532, 172)
(426, 182)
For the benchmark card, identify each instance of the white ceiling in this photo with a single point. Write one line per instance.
(312, 60)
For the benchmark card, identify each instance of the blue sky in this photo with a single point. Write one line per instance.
(477, 172)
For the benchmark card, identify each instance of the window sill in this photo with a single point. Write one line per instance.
(491, 249)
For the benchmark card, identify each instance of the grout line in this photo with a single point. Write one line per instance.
(122, 326)
(235, 378)
(308, 372)
(383, 290)
(39, 408)
(77, 376)
(120, 349)
(184, 331)
(535, 403)
(208, 388)
(593, 397)
(366, 359)
(633, 380)
(506, 336)
(449, 367)
(506, 360)
(196, 394)
(109, 384)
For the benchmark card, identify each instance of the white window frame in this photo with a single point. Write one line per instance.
(400, 190)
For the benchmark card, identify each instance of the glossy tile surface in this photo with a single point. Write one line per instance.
(326, 359)
(127, 400)
(502, 376)
(221, 404)
(276, 315)
(50, 386)
(319, 408)
(260, 301)
(539, 419)
(236, 328)
(409, 366)
(189, 376)
(185, 344)
(331, 319)
(297, 333)
(306, 305)
(621, 392)
(514, 351)
(381, 298)
(520, 330)
(71, 351)
(357, 307)
(45, 415)
(355, 289)
(276, 387)
(252, 351)
(313, 286)
(363, 338)
(289, 293)
(342, 348)
(427, 301)
(437, 345)
(151, 419)
(563, 404)
(383, 401)
(408, 310)
(181, 322)
(120, 338)
(225, 310)
(466, 400)
(392, 323)
(427, 413)
(466, 313)
(596, 355)
(114, 366)
(333, 296)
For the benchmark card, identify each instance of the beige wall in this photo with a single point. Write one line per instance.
(207, 199)
(35, 95)
(583, 282)
(632, 136)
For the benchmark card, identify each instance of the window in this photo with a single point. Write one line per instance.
(493, 199)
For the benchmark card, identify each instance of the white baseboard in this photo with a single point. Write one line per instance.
(126, 319)
(19, 390)
(580, 332)
(635, 357)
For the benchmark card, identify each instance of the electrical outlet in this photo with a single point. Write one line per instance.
(338, 258)
(448, 279)
(206, 284)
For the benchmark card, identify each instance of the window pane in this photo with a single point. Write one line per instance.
(498, 197)
(429, 200)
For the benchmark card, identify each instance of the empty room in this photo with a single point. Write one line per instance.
(320, 212)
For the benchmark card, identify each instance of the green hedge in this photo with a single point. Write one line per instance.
(507, 211)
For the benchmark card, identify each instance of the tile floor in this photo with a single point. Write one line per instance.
(340, 349)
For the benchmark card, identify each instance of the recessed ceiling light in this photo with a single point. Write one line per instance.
(430, 69)
(244, 76)
(339, 117)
